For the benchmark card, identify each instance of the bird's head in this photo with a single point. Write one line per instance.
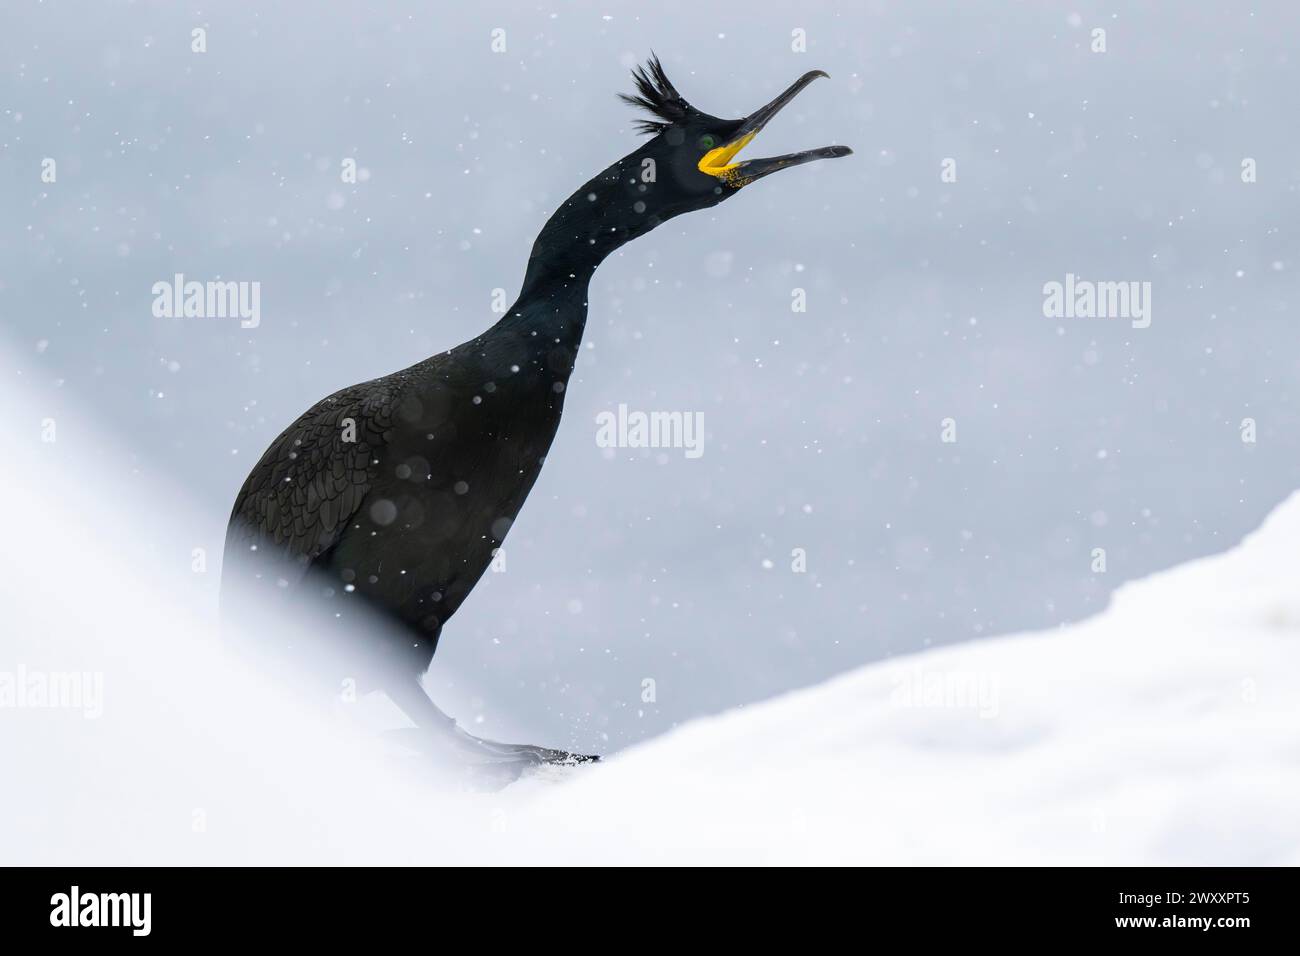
(690, 162)
(693, 160)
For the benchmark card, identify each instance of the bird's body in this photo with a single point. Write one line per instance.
(396, 493)
(400, 489)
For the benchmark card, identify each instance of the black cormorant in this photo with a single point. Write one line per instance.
(396, 492)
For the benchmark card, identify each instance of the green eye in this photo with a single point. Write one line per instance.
(707, 141)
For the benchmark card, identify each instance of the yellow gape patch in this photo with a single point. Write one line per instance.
(718, 162)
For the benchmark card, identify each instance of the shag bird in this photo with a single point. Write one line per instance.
(397, 492)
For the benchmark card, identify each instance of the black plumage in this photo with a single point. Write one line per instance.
(656, 95)
(395, 493)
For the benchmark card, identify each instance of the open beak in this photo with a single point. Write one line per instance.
(718, 162)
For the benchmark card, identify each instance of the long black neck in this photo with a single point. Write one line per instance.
(598, 218)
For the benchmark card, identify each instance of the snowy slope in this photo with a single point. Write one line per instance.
(1166, 730)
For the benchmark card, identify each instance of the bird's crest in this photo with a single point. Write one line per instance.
(657, 96)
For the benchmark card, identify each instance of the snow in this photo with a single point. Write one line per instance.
(1164, 731)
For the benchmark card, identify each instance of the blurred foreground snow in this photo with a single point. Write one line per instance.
(1166, 730)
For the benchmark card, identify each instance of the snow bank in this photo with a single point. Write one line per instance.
(1167, 730)
(1164, 731)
